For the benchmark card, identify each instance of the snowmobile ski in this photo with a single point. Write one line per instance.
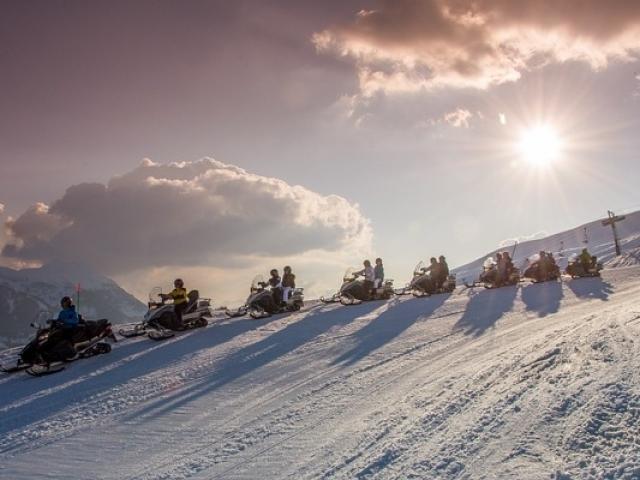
(15, 368)
(137, 331)
(47, 369)
(158, 335)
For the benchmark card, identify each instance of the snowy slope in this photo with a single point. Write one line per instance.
(24, 294)
(539, 381)
(563, 245)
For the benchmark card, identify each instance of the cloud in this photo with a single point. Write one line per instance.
(509, 242)
(415, 45)
(458, 118)
(187, 215)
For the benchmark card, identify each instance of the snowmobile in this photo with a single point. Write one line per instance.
(352, 291)
(489, 276)
(576, 269)
(50, 349)
(537, 274)
(161, 322)
(264, 301)
(422, 284)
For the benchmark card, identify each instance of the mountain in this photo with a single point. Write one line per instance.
(564, 244)
(34, 294)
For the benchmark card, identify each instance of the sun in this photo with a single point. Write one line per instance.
(540, 146)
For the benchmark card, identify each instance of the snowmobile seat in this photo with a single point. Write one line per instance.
(193, 297)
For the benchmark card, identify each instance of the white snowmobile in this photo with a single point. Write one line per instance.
(352, 291)
(576, 269)
(489, 276)
(422, 284)
(161, 322)
(540, 270)
(264, 301)
(51, 349)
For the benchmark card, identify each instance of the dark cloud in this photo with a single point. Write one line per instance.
(186, 214)
(408, 45)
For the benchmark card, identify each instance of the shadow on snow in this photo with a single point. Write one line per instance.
(391, 323)
(485, 308)
(595, 288)
(259, 354)
(543, 298)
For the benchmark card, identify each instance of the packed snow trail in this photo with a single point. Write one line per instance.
(536, 381)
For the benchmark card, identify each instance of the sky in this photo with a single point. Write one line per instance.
(213, 140)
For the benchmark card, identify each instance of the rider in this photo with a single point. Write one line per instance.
(586, 260)
(68, 316)
(505, 268)
(63, 329)
(434, 274)
(443, 269)
(180, 300)
(288, 283)
(369, 277)
(275, 282)
(378, 273)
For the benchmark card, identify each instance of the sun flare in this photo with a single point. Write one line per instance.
(540, 146)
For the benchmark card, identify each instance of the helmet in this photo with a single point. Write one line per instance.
(378, 260)
(273, 272)
(442, 257)
(433, 260)
(65, 300)
(287, 268)
(367, 263)
(178, 283)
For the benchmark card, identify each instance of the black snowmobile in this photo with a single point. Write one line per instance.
(541, 269)
(161, 322)
(352, 291)
(264, 301)
(51, 348)
(422, 285)
(576, 269)
(489, 277)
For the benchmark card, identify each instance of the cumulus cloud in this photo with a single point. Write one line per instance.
(186, 214)
(412, 45)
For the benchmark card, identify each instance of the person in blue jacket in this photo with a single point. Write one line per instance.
(68, 315)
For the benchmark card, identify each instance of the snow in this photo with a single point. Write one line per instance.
(529, 382)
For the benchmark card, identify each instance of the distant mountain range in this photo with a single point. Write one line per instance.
(595, 236)
(34, 294)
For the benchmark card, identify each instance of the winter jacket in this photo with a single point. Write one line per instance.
(289, 280)
(444, 269)
(368, 273)
(274, 282)
(585, 258)
(179, 296)
(69, 317)
(378, 272)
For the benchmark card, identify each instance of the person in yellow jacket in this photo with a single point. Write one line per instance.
(180, 300)
(587, 260)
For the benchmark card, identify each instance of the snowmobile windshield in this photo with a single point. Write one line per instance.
(349, 275)
(257, 283)
(154, 294)
(419, 268)
(489, 263)
(573, 258)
